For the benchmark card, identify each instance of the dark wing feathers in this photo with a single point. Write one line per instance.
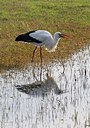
(27, 38)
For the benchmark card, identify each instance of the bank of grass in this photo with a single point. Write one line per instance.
(18, 16)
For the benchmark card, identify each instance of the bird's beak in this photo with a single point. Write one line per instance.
(64, 36)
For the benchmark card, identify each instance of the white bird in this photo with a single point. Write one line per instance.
(41, 38)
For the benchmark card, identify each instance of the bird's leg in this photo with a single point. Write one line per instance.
(41, 54)
(33, 53)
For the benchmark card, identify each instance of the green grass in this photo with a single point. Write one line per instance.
(19, 16)
(66, 11)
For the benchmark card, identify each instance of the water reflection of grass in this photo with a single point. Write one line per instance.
(16, 17)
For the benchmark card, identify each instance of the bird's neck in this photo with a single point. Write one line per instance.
(54, 44)
(55, 40)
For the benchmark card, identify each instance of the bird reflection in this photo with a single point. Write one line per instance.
(40, 87)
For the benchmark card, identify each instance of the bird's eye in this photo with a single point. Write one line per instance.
(59, 34)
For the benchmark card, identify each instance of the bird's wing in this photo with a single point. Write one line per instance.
(40, 35)
(27, 38)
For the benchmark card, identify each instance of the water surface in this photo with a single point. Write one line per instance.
(56, 96)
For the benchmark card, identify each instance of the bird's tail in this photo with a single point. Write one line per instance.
(20, 38)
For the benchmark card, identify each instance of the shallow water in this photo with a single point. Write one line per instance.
(54, 96)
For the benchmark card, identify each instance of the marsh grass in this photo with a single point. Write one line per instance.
(16, 17)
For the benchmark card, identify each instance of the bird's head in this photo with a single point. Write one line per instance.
(59, 35)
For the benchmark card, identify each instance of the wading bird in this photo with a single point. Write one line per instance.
(41, 38)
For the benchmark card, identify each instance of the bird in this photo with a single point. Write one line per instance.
(41, 38)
